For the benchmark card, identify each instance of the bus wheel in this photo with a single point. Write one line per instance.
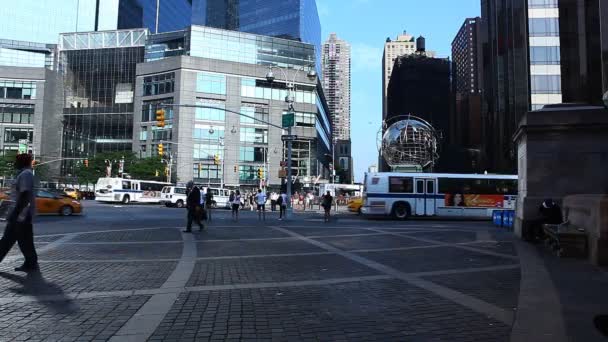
(126, 199)
(401, 211)
(179, 204)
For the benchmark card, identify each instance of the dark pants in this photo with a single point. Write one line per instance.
(282, 211)
(23, 234)
(273, 205)
(193, 216)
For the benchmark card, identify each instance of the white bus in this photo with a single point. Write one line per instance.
(402, 195)
(128, 190)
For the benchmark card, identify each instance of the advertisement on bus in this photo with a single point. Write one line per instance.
(474, 201)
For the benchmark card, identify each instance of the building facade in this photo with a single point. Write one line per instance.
(46, 19)
(336, 84)
(291, 19)
(405, 44)
(467, 85)
(26, 85)
(231, 78)
(420, 86)
(522, 70)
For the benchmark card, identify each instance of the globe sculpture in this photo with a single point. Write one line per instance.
(410, 142)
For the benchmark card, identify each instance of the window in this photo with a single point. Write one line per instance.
(255, 112)
(17, 90)
(248, 173)
(181, 191)
(254, 135)
(209, 114)
(477, 186)
(151, 186)
(148, 109)
(401, 185)
(16, 113)
(545, 55)
(544, 27)
(206, 171)
(143, 134)
(159, 84)
(252, 154)
(211, 83)
(305, 119)
(13, 135)
(203, 132)
(207, 151)
(276, 91)
(546, 84)
(542, 3)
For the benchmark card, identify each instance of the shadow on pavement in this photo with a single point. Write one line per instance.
(47, 293)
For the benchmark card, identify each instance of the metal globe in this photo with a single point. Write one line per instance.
(411, 141)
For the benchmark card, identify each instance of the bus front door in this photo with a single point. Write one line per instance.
(430, 197)
(420, 193)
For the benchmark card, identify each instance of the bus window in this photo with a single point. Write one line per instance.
(126, 185)
(401, 184)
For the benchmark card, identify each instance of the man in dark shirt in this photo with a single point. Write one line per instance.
(193, 204)
(19, 226)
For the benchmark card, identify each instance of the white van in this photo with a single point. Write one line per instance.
(220, 197)
(173, 196)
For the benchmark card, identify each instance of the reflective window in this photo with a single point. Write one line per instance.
(252, 154)
(546, 84)
(210, 114)
(542, 3)
(254, 135)
(275, 91)
(10, 89)
(545, 55)
(401, 184)
(248, 173)
(159, 84)
(544, 27)
(13, 135)
(148, 109)
(202, 172)
(208, 132)
(211, 83)
(254, 113)
(207, 151)
(19, 114)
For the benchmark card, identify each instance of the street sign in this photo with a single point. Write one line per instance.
(23, 146)
(289, 120)
(289, 137)
(282, 173)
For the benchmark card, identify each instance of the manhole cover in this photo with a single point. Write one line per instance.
(601, 323)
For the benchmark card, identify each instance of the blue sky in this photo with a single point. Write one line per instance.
(366, 24)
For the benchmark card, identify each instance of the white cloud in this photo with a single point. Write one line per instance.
(366, 57)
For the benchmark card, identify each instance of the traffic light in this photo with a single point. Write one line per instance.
(260, 173)
(156, 173)
(216, 159)
(200, 167)
(160, 118)
(86, 163)
(160, 149)
(235, 168)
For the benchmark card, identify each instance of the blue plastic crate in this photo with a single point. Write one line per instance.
(497, 217)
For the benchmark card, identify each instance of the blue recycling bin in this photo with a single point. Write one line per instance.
(497, 217)
(509, 218)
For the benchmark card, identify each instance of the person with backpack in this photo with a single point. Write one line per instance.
(326, 203)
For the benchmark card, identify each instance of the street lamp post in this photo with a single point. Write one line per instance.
(290, 100)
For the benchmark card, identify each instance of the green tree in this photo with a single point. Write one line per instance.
(144, 168)
(148, 169)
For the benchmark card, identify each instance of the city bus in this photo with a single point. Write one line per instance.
(403, 195)
(126, 190)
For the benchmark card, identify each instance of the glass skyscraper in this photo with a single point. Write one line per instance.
(43, 20)
(292, 19)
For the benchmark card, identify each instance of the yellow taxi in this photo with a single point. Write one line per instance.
(355, 204)
(73, 193)
(51, 203)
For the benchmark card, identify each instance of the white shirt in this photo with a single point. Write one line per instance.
(260, 198)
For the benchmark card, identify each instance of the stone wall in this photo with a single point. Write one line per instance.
(591, 213)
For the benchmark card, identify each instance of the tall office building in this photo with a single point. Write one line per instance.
(291, 19)
(467, 74)
(43, 20)
(522, 70)
(405, 44)
(336, 83)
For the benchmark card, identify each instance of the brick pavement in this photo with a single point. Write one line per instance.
(355, 280)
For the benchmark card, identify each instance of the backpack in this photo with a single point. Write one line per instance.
(280, 200)
(231, 199)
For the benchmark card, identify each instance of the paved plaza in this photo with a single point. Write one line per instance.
(131, 274)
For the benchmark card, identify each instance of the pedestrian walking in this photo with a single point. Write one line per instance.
(282, 202)
(251, 201)
(193, 205)
(208, 203)
(326, 203)
(260, 199)
(19, 227)
(236, 204)
(311, 199)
